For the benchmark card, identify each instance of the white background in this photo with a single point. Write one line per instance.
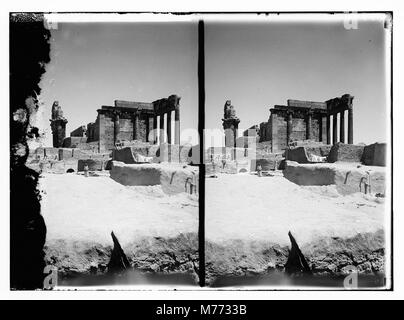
(186, 6)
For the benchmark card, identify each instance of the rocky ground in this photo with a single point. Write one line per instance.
(247, 224)
(248, 219)
(157, 232)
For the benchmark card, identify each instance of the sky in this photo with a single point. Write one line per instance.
(259, 64)
(93, 64)
(256, 64)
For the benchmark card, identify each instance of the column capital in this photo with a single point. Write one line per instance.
(116, 113)
(136, 114)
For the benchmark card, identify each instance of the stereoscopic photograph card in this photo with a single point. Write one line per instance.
(200, 151)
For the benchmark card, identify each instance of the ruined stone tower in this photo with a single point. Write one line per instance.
(230, 124)
(58, 125)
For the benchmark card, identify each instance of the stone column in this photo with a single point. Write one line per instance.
(320, 128)
(177, 125)
(101, 132)
(308, 125)
(155, 129)
(58, 127)
(161, 128)
(147, 128)
(274, 132)
(229, 137)
(263, 132)
(350, 125)
(136, 128)
(334, 128)
(116, 127)
(328, 125)
(342, 126)
(169, 127)
(289, 127)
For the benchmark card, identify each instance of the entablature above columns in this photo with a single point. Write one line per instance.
(297, 112)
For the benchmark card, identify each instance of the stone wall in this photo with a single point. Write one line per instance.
(346, 152)
(298, 129)
(104, 130)
(160, 153)
(65, 153)
(79, 132)
(93, 164)
(91, 132)
(95, 128)
(279, 134)
(348, 179)
(59, 160)
(125, 129)
(74, 141)
(302, 154)
(107, 132)
(298, 132)
(142, 134)
(375, 154)
(51, 153)
(173, 179)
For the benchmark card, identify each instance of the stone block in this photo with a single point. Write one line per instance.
(79, 132)
(375, 154)
(128, 154)
(51, 153)
(80, 154)
(73, 142)
(65, 153)
(297, 154)
(173, 178)
(348, 179)
(345, 153)
(93, 164)
(308, 154)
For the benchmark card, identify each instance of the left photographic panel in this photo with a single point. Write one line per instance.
(104, 193)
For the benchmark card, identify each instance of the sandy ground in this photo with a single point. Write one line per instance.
(248, 207)
(88, 209)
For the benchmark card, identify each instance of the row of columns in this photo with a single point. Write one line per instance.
(136, 127)
(328, 125)
(341, 127)
(168, 130)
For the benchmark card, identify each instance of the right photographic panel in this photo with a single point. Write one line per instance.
(298, 151)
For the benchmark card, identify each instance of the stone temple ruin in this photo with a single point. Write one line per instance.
(125, 121)
(307, 120)
(300, 133)
(128, 132)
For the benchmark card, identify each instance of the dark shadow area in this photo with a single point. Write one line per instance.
(130, 277)
(29, 52)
